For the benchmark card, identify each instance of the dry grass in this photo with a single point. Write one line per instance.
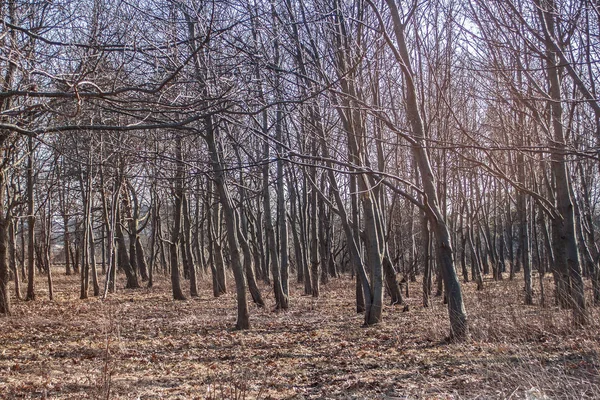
(141, 344)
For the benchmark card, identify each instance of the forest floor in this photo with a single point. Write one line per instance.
(140, 344)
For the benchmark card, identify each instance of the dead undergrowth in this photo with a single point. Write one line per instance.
(140, 344)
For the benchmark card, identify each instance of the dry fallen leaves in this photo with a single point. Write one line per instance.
(141, 344)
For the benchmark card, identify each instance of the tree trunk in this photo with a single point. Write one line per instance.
(243, 318)
(427, 274)
(187, 247)
(4, 265)
(176, 231)
(48, 248)
(93, 264)
(30, 225)
(281, 299)
(123, 257)
(458, 316)
(219, 279)
(153, 237)
(12, 239)
(141, 258)
(249, 268)
(566, 251)
(67, 245)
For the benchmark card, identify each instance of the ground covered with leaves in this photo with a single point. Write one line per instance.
(140, 344)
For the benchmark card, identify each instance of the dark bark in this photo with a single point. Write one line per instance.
(12, 239)
(458, 316)
(4, 265)
(30, 226)
(187, 247)
(566, 251)
(427, 267)
(123, 256)
(281, 299)
(176, 230)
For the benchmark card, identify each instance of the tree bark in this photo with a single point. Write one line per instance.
(30, 225)
(12, 239)
(4, 265)
(176, 231)
(243, 317)
(187, 248)
(566, 251)
(458, 317)
(123, 257)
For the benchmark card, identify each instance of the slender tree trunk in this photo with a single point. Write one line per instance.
(475, 261)
(187, 248)
(219, 264)
(324, 250)
(591, 236)
(153, 237)
(4, 265)
(30, 225)
(93, 266)
(281, 299)
(305, 233)
(123, 257)
(67, 245)
(427, 274)
(313, 224)
(12, 238)
(249, 268)
(299, 249)
(176, 231)
(161, 245)
(524, 246)
(140, 255)
(243, 317)
(501, 251)
(86, 242)
(458, 316)
(282, 228)
(412, 250)
(48, 248)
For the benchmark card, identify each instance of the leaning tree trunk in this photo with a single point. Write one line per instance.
(566, 251)
(354, 125)
(364, 289)
(243, 317)
(458, 316)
